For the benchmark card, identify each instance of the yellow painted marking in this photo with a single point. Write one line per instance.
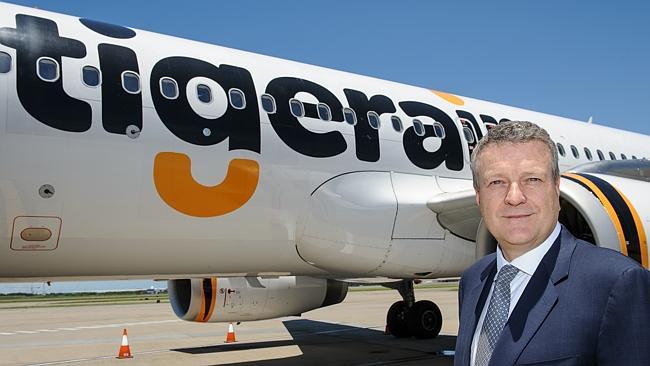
(172, 174)
(643, 243)
(449, 97)
(608, 207)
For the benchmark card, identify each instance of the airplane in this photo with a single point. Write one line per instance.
(261, 187)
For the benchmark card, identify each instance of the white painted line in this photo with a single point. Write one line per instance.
(102, 326)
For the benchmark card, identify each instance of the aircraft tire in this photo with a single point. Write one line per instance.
(424, 319)
(396, 320)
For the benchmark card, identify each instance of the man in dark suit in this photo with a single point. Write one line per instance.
(545, 297)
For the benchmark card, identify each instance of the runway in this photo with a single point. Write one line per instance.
(350, 333)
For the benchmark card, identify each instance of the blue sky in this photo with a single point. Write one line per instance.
(570, 58)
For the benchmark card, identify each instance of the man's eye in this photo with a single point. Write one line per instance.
(495, 182)
(534, 179)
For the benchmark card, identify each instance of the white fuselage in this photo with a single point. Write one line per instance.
(106, 213)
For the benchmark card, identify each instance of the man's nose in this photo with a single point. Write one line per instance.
(515, 196)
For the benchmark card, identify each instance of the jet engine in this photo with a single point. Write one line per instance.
(605, 203)
(251, 298)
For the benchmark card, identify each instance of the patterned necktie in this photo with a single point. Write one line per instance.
(497, 315)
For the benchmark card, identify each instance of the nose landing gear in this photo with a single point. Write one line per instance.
(409, 318)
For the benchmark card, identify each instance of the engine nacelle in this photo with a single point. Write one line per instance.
(605, 203)
(251, 298)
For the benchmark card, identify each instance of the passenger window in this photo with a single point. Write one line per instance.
(575, 152)
(469, 136)
(324, 112)
(560, 149)
(633, 157)
(612, 156)
(601, 156)
(373, 120)
(418, 127)
(204, 93)
(237, 98)
(168, 88)
(5, 62)
(90, 76)
(48, 69)
(439, 130)
(131, 82)
(350, 116)
(623, 157)
(268, 103)
(297, 109)
(588, 154)
(397, 123)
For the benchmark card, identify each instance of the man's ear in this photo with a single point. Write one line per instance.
(478, 198)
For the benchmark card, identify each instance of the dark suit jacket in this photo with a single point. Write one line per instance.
(584, 305)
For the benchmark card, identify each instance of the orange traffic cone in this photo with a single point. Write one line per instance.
(125, 350)
(230, 337)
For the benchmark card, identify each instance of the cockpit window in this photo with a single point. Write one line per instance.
(5, 62)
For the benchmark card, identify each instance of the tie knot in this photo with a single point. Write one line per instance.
(507, 274)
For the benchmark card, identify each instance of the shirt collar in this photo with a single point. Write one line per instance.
(529, 261)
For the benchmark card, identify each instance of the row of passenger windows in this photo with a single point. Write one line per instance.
(576, 153)
(48, 70)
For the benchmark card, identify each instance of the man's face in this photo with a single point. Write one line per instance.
(517, 195)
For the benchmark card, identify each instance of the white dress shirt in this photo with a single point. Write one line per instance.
(526, 264)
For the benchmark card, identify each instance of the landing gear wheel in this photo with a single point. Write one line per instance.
(424, 319)
(397, 320)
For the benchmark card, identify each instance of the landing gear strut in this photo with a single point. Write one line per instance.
(406, 318)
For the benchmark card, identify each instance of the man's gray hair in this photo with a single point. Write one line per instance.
(516, 132)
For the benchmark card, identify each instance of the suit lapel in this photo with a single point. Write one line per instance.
(538, 299)
(472, 306)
